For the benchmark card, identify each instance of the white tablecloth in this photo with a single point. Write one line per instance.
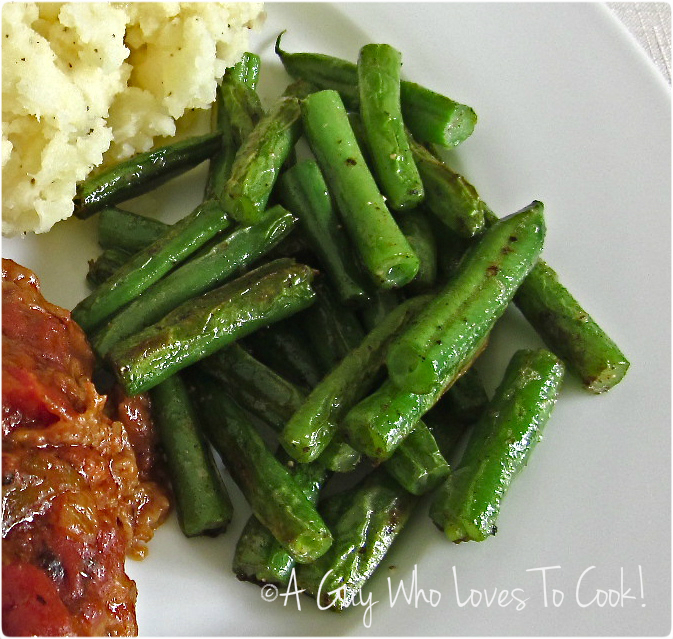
(650, 24)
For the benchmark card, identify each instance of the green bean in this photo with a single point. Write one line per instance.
(255, 387)
(105, 265)
(219, 167)
(569, 331)
(274, 496)
(259, 160)
(258, 556)
(439, 341)
(122, 229)
(431, 117)
(417, 464)
(150, 264)
(449, 195)
(199, 327)
(339, 456)
(142, 173)
(313, 425)
(228, 257)
(247, 69)
(467, 506)
(242, 107)
(270, 397)
(304, 192)
(379, 89)
(418, 230)
(371, 519)
(384, 250)
(381, 421)
(237, 110)
(202, 502)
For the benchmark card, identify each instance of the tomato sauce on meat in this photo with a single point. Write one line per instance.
(80, 486)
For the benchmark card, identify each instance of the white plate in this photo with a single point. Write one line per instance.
(571, 113)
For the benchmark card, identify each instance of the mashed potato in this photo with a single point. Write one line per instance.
(87, 84)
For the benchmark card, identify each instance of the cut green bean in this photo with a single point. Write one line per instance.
(247, 69)
(431, 117)
(142, 173)
(270, 397)
(449, 195)
(569, 331)
(242, 107)
(150, 264)
(199, 327)
(227, 258)
(303, 190)
(440, 340)
(384, 250)
(417, 464)
(259, 557)
(313, 425)
(372, 517)
(418, 230)
(256, 387)
(381, 422)
(467, 506)
(122, 229)
(379, 89)
(259, 160)
(236, 111)
(274, 496)
(202, 502)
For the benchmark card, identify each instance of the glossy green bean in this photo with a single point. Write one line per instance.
(303, 190)
(259, 557)
(197, 328)
(274, 496)
(448, 194)
(201, 499)
(569, 331)
(440, 340)
(231, 256)
(382, 247)
(378, 70)
(369, 521)
(259, 160)
(467, 506)
(418, 464)
(142, 173)
(431, 117)
(378, 424)
(147, 266)
(313, 425)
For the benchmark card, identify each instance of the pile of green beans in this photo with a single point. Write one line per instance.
(315, 321)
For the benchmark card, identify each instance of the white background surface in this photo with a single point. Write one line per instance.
(572, 113)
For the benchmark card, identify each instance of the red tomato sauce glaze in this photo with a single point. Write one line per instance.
(80, 485)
